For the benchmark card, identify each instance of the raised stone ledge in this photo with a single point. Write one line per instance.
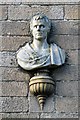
(39, 1)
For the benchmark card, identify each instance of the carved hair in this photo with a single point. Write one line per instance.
(40, 16)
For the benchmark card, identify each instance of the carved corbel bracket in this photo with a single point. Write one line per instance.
(42, 86)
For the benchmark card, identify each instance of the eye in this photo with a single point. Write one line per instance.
(42, 26)
(35, 26)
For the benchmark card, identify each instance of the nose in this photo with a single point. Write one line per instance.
(38, 28)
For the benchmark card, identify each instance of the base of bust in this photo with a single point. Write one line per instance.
(42, 85)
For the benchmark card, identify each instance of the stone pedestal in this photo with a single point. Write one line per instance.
(42, 86)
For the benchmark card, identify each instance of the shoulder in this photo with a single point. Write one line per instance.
(54, 46)
(23, 52)
(59, 52)
(24, 48)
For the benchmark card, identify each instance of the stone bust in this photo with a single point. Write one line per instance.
(39, 53)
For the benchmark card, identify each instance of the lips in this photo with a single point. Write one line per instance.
(39, 33)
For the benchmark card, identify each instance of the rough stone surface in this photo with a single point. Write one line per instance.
(14, 104)
(22, 28)
(66, 41)
(65, 27)
(12, 43)
(72, 57)
(71, 12)
(39, 2)
(79, 104)
(66, 104)
(68, 88)
(61, 116)
(79, 10)
(52, 1)
(10, 1)
(79, 90)
(8, 59)
(14, 89)
(16, 12)
(0, 104)
(0, 116)
(20, 115)
(14, 28)
(79, 57)
(0, 90)
(3, 12)
(0, 75)
(67, 72)
(14, 74)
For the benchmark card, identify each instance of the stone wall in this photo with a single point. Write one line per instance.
(15, 99)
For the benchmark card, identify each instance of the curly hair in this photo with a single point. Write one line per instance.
(40, 16)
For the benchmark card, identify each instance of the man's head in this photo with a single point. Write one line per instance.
(40, 26)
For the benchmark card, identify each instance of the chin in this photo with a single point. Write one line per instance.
(39, 38)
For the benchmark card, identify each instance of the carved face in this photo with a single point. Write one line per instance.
(39, 30)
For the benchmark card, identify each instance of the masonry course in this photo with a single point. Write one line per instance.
(15, 28)
(14, 88)
(71, 12)
(68, 88)
(16, 12)
(67, 104)
(3, 13)
(9, 58)
(16, 74)
(67, 72)
(14, 104)
(13, 43)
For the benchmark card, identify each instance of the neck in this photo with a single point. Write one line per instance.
(40, 44)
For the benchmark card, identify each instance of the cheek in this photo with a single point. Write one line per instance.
(45, 32)
(33, 31)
